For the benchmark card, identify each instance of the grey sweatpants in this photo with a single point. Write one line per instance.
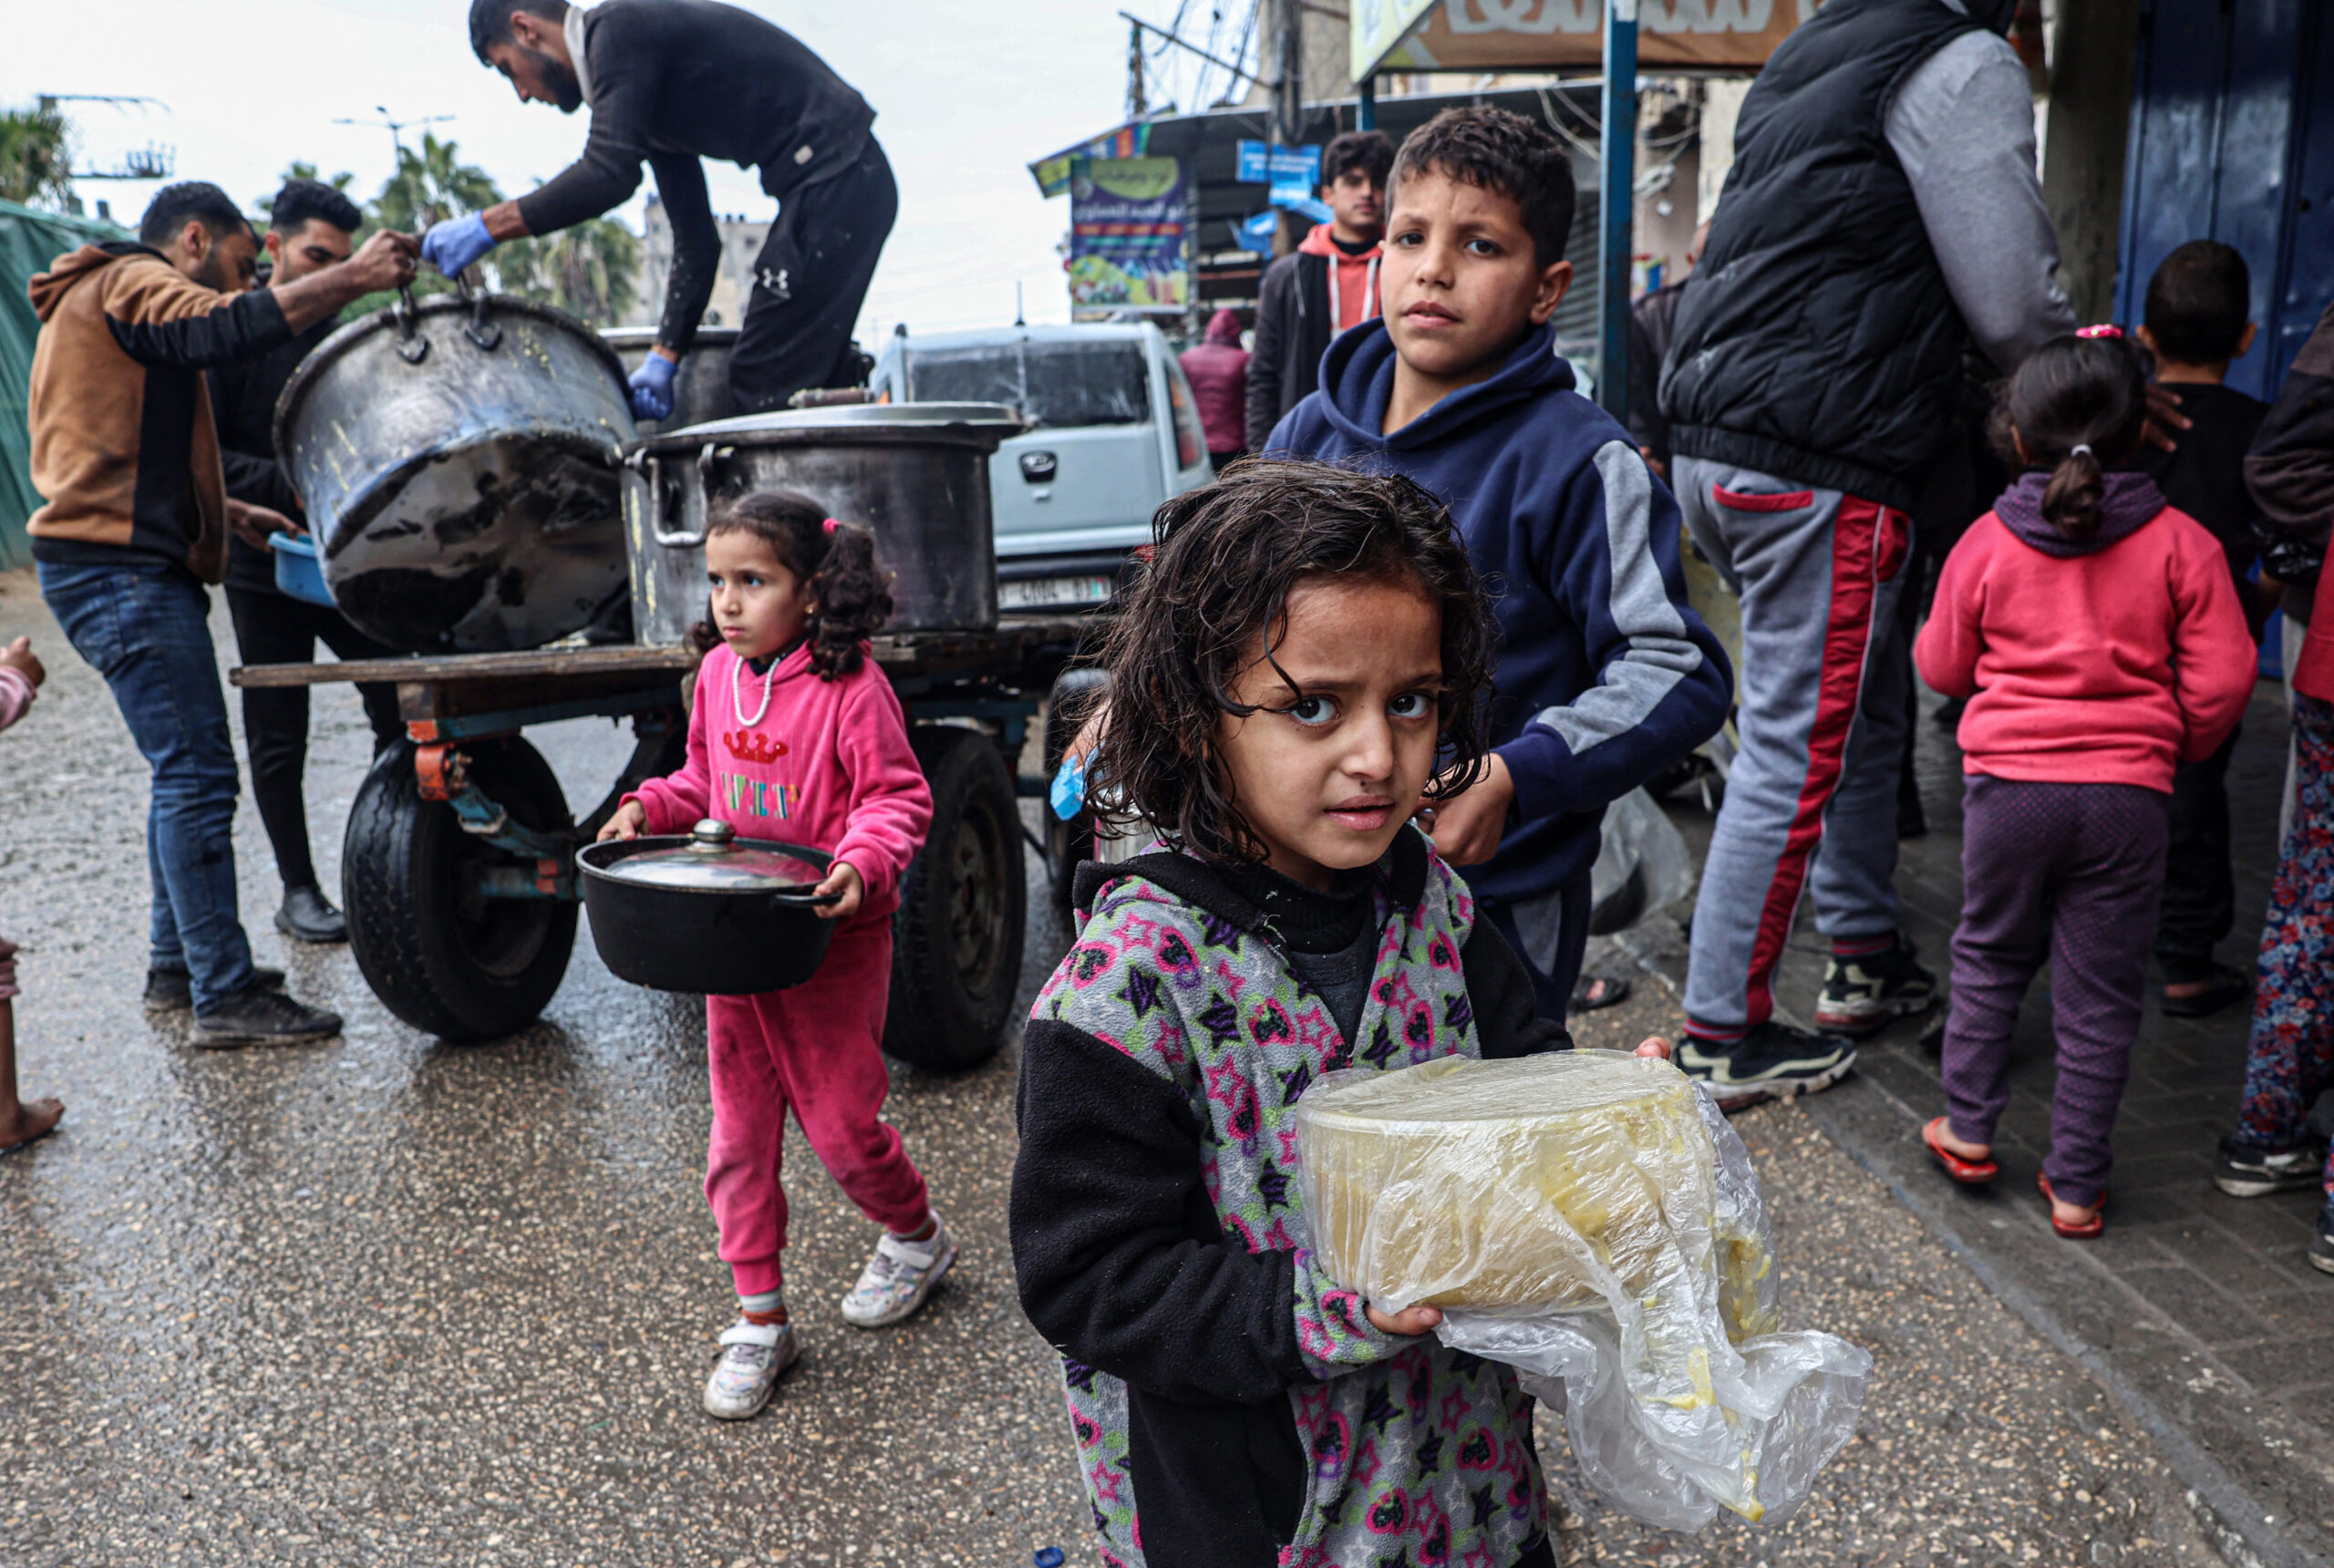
(1811, 800)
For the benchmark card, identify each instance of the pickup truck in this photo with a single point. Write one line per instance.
(1116, 434)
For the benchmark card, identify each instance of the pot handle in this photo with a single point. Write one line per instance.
(785, 901)
(480, 331)
(694, 502)
(412, 348)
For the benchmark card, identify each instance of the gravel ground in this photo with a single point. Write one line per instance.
(390, 1301)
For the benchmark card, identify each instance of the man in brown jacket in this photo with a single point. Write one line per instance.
(125, 450)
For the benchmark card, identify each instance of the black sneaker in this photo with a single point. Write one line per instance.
(168, 990)
(308, 915)
(1864, 996)
(259, 1016)
(1774, 1061)
(2243, 1169)
(2321, 1246)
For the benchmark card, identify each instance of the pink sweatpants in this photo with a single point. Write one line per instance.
(818, 1049)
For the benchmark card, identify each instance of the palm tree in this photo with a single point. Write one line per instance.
(431, 186)
(592, 270)
(300, 169)
(36, 163)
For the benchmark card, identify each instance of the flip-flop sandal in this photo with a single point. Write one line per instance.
(36, 1138)
(1587, 998)
(2086, 1231)
(1968, 1172)
(2227, 986)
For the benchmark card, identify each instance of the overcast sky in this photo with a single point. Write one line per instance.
(966, 93)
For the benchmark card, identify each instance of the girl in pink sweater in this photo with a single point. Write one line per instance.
(797, 736)
(2096, 635)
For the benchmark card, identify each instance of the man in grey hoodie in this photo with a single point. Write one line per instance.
(1884, 207)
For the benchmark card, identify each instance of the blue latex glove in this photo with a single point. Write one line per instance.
(454, 244)
(1068, 794)
(652, 387)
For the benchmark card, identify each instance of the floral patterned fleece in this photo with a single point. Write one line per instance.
(1412, 1454)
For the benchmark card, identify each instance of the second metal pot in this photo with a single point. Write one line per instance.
(914, 473)
(701, 386)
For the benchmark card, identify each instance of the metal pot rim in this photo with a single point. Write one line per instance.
(330, 351)
(589, 856)
(622, 338)
(969, 424)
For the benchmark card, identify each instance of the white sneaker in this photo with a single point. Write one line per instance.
(899, 1277)
(752, 1355)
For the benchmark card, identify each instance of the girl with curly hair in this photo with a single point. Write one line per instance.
(1303, 669)
(797, 736)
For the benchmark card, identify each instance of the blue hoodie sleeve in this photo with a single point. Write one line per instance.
(1663, 682)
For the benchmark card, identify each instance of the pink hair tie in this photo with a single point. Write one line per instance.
(831, 525)
(2103, 329)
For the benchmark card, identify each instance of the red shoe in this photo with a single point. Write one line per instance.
(2088, 1230)
(1968, 1172)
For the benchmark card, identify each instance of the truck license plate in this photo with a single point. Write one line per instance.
(1052, 593)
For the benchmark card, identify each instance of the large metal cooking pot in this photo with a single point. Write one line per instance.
(711, 912)
(914, 473)
(458, 459)
(700, 387)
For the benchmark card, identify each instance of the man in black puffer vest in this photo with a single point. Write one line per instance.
(1882, 208)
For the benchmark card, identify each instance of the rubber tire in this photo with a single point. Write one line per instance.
(957, 939)
(416, 948)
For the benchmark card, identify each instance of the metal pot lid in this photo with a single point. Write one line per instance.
(901, 417)
(714, 861)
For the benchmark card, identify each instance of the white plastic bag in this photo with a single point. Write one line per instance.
(1589, 1219)
(1642, 864)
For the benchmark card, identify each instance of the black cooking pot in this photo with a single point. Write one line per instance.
(710, 912)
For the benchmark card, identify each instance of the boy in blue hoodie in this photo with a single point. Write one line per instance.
(1605, 675)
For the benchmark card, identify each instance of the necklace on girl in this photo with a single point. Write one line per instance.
(737, 698)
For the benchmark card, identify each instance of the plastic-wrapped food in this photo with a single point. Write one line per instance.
(1588, 1217)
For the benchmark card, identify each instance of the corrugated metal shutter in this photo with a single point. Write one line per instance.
(1577, 317)
(29, 241)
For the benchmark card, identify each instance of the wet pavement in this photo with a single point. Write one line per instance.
(2200, 1312)
(388, 1300)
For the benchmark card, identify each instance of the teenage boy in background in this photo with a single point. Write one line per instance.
(1328, 284)
(1607, 675)
(311, 226)
(2197, 308)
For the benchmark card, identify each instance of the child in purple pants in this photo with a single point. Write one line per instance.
(2095, 634)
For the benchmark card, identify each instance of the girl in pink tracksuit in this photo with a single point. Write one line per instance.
(796, 736)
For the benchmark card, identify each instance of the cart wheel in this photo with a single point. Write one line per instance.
(957, 939)
(461, 965)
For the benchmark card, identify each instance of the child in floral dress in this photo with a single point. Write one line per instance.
(1301, 670)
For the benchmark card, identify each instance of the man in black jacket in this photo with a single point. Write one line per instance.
(1882, 208)
(1329, 284)
(670, 82)
(309, 228)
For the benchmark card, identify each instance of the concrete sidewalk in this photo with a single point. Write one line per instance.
(2199, 1314)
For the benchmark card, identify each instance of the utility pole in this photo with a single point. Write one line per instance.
(1137, 101)
(155, 161)
(393, 127)
(1288, 88)
(1617, 212)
